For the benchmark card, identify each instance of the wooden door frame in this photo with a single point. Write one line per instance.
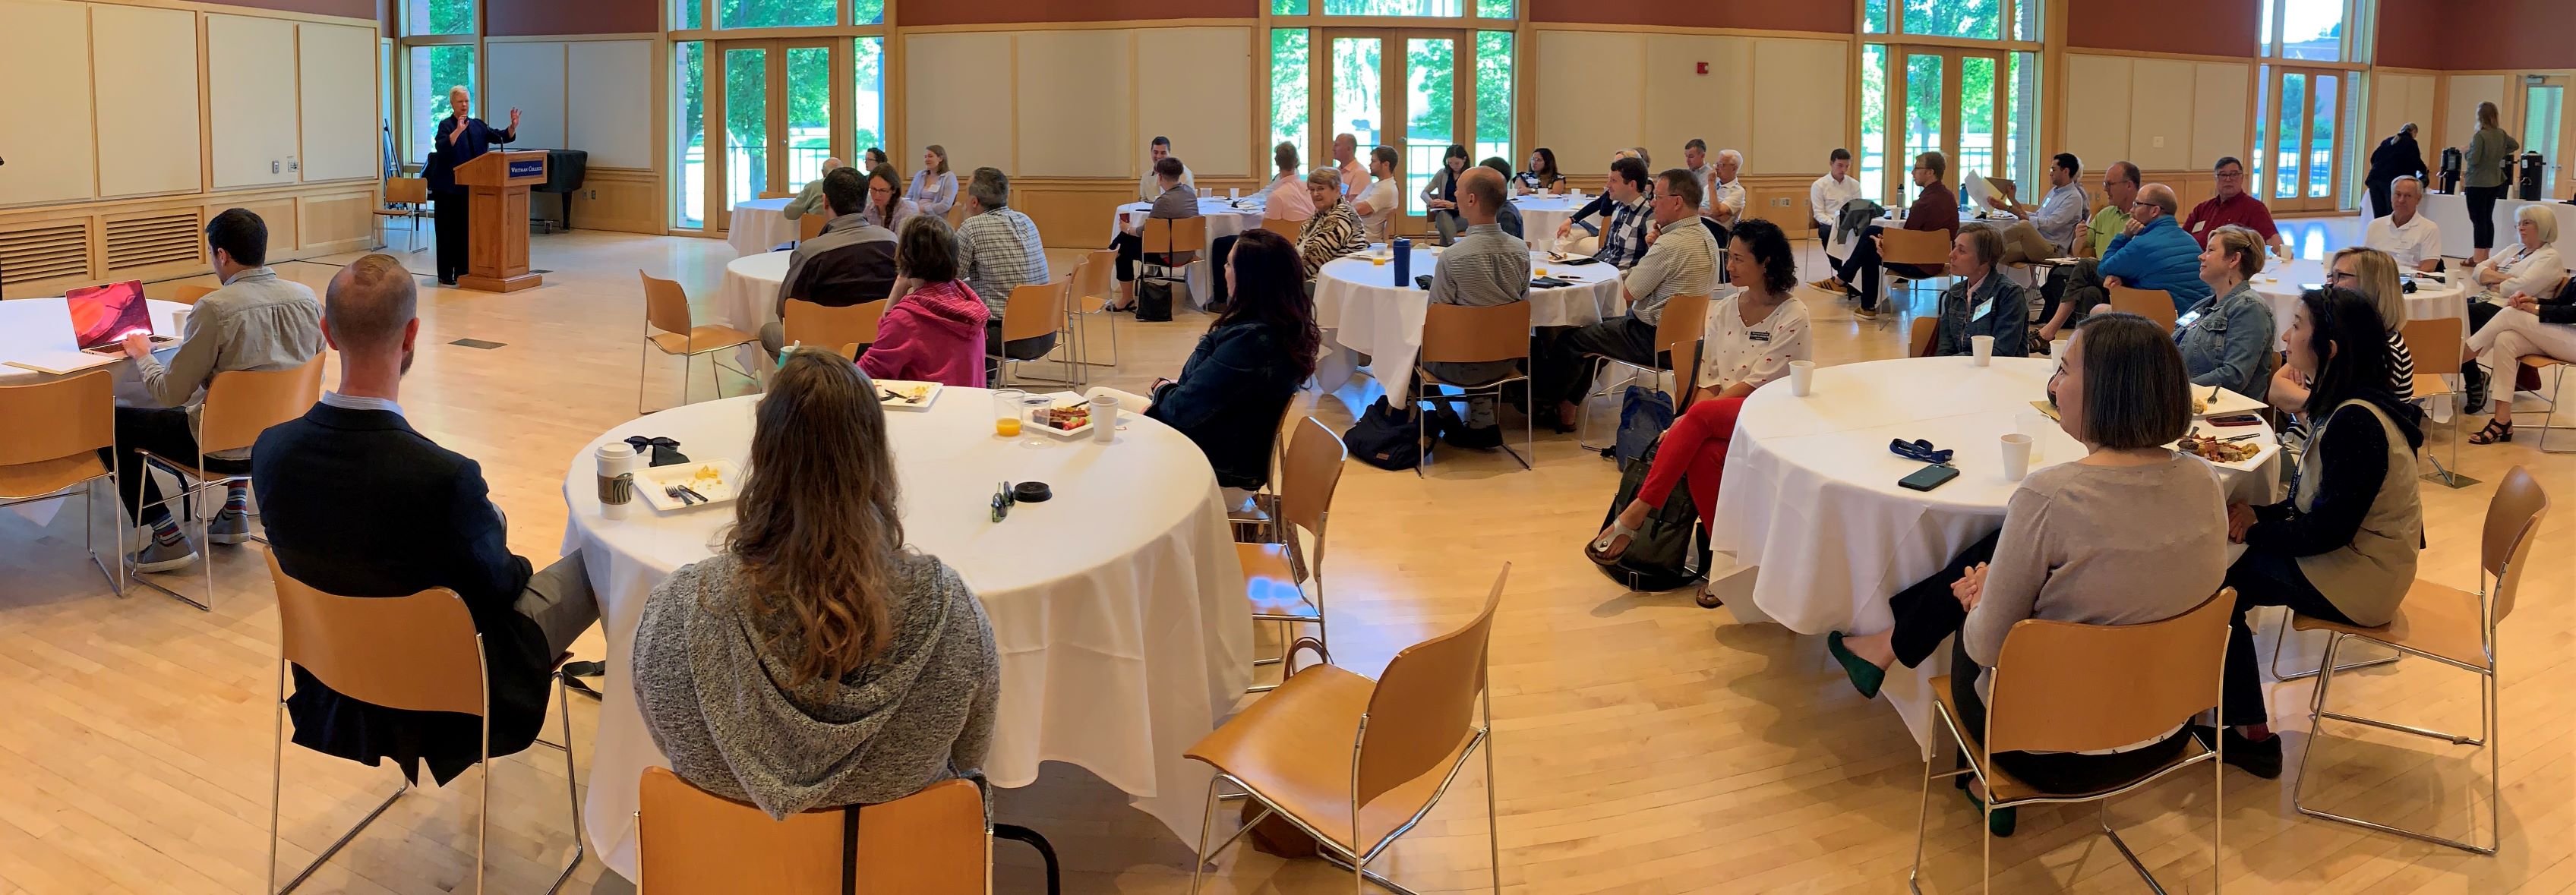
(1953, 65)
(2266, 187)
(715, 69)
(1393, 107)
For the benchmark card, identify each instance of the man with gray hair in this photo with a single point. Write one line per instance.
(999, 251)
(360, 504)
(810, 199)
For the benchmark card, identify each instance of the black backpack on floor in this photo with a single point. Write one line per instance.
(1670, 551)
(1385, 438)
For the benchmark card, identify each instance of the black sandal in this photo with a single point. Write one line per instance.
(2495, 432)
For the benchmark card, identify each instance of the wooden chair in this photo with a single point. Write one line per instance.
(189, 293)
(1179, 241)
(240, 404)
(414, 653)
(2451, 626)
(1685, 320)
(1275, 575)
(1919, 248)
(1033, 311)
(832, 329)
(669, 326)
(2437, 344)
(1462, 334)
(413, 194)
(2069, 687)
(57, 429)
(936, 842)
(1284, 227)
(1095, 286)
(2153, 304)
(1410, 732)
(1918, 339)
(810, 225)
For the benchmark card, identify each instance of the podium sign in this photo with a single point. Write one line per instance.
(496, 260)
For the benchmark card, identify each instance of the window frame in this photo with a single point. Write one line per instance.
(404, 42)
(842, 37)
(1464, 27)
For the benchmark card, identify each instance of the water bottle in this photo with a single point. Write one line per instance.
(1402, 249)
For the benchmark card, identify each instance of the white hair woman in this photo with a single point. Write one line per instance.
(461, 137)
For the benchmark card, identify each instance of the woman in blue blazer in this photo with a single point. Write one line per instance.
(461, 137)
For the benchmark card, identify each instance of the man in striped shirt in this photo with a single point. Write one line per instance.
(1000, 251)
(1683, 261)
(1485, 268)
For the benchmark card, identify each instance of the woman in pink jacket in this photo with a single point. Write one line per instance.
(933, 331)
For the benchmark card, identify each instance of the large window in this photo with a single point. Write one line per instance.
(1290, 121)
(1959, 77)
(2306, 29)
(867, 113)
(421, 17)
(430, 71)
(1979, 19)
(757, 111)
(776, 13)
(1418, 87)
(1494, 96)
(2305, 153)
(689, 62)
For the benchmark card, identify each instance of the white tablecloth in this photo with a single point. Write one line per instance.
(1812, 500)
(1361, 309)
(1118, 606)
(747, 299)
(1224, 217)
(2451, 211)
(2282, 282)
(45, 324)
(759, 225)
(1540, 216)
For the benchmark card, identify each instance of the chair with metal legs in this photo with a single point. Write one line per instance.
(669, 326)
(1411, 732)
(2436, 345)
(240, 404)
(58, 429)
(1276, 575)
(1462, 334)
(1095, 285)
(414, 653)
(1684, 318)
(2071, 687)
(2451, 626)
(1034, 311)
(2557, 381)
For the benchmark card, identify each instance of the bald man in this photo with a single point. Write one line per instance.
(1486, 267)
(811, 198)
(360, 504)
(2155, 253)
(461, 137)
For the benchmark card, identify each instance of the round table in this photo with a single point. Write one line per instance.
(1812, 500)
(1224, 217)
(1540, 216)
(760, 225)
(2281, 282)
(747, 299)
(30, 320)
(1360, 308)
(1118, 607)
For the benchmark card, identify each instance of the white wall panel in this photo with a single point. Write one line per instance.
(609, 101)
(2097, 129)
(1680, 104)
(46, 136)
(251, 64)
(2160, 114)
(528, 77)
(338, 101)
(1588, 104)
(957, 93)
(2466, 92)
(147, 99)
(1076, 110)
(1190, 85)
(2218, 112)
(1797, 85)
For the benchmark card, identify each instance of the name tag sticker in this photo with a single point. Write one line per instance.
(1758, 336)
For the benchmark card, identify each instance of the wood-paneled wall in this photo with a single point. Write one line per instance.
(303, 221)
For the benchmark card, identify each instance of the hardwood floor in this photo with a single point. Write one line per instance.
(1644, 745)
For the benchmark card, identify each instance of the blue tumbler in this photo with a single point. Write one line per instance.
(1402, 248)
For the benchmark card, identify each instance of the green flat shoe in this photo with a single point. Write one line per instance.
(1999, 821)
(1865, 677)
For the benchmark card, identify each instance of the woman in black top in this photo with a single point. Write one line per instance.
(1541, 176)
(2396, 157)
(1441, 196)
(1244, 371)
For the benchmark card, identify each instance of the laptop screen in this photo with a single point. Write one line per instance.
(104, 314)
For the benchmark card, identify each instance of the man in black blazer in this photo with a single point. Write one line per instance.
(358, 504)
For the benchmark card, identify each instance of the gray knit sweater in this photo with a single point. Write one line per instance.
(711, 693)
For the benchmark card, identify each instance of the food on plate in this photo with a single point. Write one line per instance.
(1067, 418)
(2217, 450)
(2199, 406)
(910, 393)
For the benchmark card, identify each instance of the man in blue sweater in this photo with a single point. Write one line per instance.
(2155, 253)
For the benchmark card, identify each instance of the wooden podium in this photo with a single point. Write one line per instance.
(497, 258)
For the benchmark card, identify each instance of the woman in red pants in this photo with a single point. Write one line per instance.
(1751, 338)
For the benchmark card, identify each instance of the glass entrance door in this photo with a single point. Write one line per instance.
(1954, 103)
(770, 124)
(2543, 101)
(2301, 134)
(1405, 89)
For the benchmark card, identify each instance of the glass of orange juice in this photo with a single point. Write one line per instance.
(1007, 411)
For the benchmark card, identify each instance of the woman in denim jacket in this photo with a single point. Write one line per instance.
(1983, 302)
(2229, 340)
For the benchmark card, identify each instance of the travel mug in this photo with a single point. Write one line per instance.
(617, 462)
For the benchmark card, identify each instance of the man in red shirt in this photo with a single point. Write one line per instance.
(2232, 205)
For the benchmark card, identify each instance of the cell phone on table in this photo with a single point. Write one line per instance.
(2235, 419)
(1932, 475)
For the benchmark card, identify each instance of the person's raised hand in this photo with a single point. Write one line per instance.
(514, 119)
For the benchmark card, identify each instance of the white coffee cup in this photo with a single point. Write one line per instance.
(1802, 377)
(1982, 349)
(2016, 456)
(1104, 418)
(617, 463)
(1234, 192)
(178, 322)
(2057, 350)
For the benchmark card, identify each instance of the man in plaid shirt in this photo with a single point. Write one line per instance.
(1624, 240)
(1000, 252)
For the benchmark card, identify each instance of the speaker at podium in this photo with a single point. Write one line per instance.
(497, 185)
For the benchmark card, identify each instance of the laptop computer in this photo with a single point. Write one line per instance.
(103, 315)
